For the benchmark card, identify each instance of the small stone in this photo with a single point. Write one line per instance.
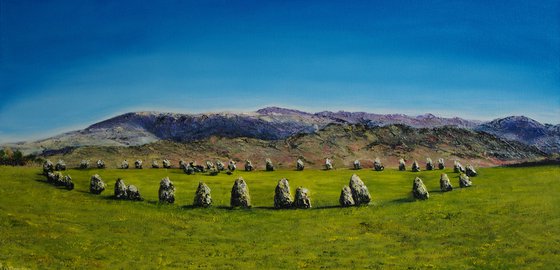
(248, 166)
(457, 167)
(52, 177)
(419, 190)
(429, 164)
(441, 164)
(124, 164)
(166, 191)
(220, 166)
(470, 171)
(60, 165)
(357, 165)
(232, 166)
(240, 194)
(282, 195)
(302, 199)
(138, 164)
(67, 182)
(155, 164)
(84, 164)
(182, 164)
(121, 191)
(166, 164)
(269, 166)
(402, 165)
(189, 169)
(415, 167)
(96, 185)
(213, 171)
(464, 181)
(197, 168)
(360, 192)
(299, 165)
(133, 193)
(444, 183)
(202, 196)
(377, 165)
(100, 164)
(346, 198)
(209, 165)
(328, 164)
(48, 166)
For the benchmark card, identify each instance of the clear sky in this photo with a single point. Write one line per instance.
(67, 64)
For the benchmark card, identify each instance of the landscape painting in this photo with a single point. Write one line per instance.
(279, 134)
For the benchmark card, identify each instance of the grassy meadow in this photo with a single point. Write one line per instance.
(510, 218)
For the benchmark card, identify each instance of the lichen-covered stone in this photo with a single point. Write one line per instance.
(84, 164)
(248, 166)
(96, 184)
(202, 197)
(138, 164)
(299, 165)
(133, 193)
(464, 181)
(100, 164)
(415, 166)
(166, 164)
(402, 165)
(189, 169)
(346, 198)
(282, 195)
(48, 166)
(124, 164)
(220, 166)
(377, 165)
(444, 183)
(240, 194)
(429, 164)
(121, 191)
(232, 166)
(213, 171)
(457, 167)
(441, 164)
(269, 166)
(419, 190)
(66, 182)
(60, 165)
(360, 192)
(357, 165)
(328, 164)
(209, 165)
(166, 191)
(155, 164)
(182, 164)
(470, 171)
(302, 199)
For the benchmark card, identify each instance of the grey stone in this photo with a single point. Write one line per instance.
(464, 181)
(121, 191)
(346, 198)
(269, 166)
(444, 183)
(60, 165)
(209, 165)
(419, 190)
(470, 171)
(415, 167)
(166, 191)
(124, 164)
(182, 164)
(52, 177)
(248, 166)
(302, 199)
(189, 169)
(66, 181)
(282, 195)
(166, 164)
(84, 164)
(357, 165)
(100, 164)
(138, 164)
(429, 164)
(213, 171)
(377, 165)
(240, 194)
(457, 167)
(220, 166)
(328, 164)
(202, 197)
(133, 193)
(402, 165)
(155, 164)
(360, 192)
(232, 166)
(441, 164)
(299, 165)
(48, 166)
(96, 184)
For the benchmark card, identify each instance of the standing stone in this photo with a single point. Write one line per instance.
(182, 164)
(377, 165)
(360, 192)
(415, 167)
(166, 191)
(402, 165)
(213, 171)
(441, 164)
(328, 164)
(302, 198)
(100, 164)
(189, 169)
(133, 193)
(429, 164)
(96, 185)
(209, 165)
(84, 164)
(155, 164)
(269, 166)
(121, 191)
(202, 196)
(464, 181)
(419, 190)
(457, 167)
(470, 171)
(231, 165)
(52, 177)
(282, 195)
(48, 167)
(60, 165)
(357, 165)
(138, 164)
(124, 164)
(444, 183)
(240, 194)
(248, 166)
(220, 166)
(166, 164)
(299, 165)
(66, 181)
(346, 198)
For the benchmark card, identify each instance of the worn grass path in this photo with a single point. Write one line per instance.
(509, 219)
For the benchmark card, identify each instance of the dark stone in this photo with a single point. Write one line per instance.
(60, 165)
(133, 193)
(470, 171)
(96, 185)
(346, 198)
(124, 164)
(402, 165)
(189, 169)
(441, 164)
(415, 167)
(121, 191)
(357, 165)
(429, 164)
(377, 165)
(209, 165)
(302, 199)
(464, 181)
(299, 165)
(249, 166)
(444, 183)
(328, 164)
(269, 166)
(232, 166)
(182, 164)
(457, 167)
(419, 190)
(138, 164)
(48, 166)
(220, 166)
(213, 171)
(166, 191)
(84, 164)
(282, 195)
(360, 192)
(240, 194)
(155, 164)
(202, 196)
(166, 164)
(100, 164)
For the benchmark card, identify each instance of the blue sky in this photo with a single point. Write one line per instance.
(67, 64)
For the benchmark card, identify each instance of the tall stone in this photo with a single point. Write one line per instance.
(60, 165)
(441, 164)
(457, 167)
(302, 199)
(220, 166)
(268, 165)
(464, 181)
(84, 164)
(96, 185)
(402, 165)
(240, 194)
(202, 197)
(377, 165)
(429, 164)
(166, 164)
(444, 183)
(232, 166)
(248, 166)
(299, 165)
(415, 167)
(357, 165)
(166, 191)
(133, 193)
(419, 190)
(155, 164)
(209, 165)
(48, 166)
(100, 164)
(138, 164)
(121, 191)
(182, 164)
(346, 198)
(282, 195)
(360, 192)
(124, 164)
(328, 164)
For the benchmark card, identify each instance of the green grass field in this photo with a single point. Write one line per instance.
(510, 218)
